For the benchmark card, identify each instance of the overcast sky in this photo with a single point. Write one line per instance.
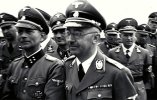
(112, 10)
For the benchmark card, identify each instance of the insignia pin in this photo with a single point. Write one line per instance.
(99, 64)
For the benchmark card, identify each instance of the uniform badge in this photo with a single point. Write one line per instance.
(76, 4)
(76, 14)
(50, 48)
(99, 64)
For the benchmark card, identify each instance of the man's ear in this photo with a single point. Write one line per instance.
(96, 38)
(43, 36)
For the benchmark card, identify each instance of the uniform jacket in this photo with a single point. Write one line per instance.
(105, 47)
(45, 80)
(140, 59)
(105, 79)
(53, 49)
(153, 53)
(149, 76)
(6, 58)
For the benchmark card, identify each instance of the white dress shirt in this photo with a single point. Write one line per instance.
(86, 64)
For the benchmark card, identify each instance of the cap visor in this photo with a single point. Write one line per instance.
(7, 24)
(114, 31)
(73, 24)
(25, 25)
(59, 28)
(143, 32)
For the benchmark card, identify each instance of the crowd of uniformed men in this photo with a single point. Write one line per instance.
(74, 63)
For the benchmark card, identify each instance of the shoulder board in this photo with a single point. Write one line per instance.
(151, 45)
(16, 59)
(71, 57)
(116, 49)
(114, 62)
(48, 57)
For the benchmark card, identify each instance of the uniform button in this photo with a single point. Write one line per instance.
(26, 66)
(24, 91)
(25, 79)
(0, 75)
(99, 95)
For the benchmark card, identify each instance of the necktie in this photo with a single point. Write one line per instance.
(81, 72)
(127, 55)
(10, 48)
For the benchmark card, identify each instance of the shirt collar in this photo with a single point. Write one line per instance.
(86, 64)
(32, 54)
(130, 49)
(45, 42)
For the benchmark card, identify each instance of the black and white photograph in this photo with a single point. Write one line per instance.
(78, 50)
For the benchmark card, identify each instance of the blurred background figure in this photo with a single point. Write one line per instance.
(142, 35)
(56, 24)
(152, 22)
(112, 36)
(9, 50)
(48, 44)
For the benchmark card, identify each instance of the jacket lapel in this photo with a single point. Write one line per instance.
(92, 75)
(74, 75)
(120, 55)
(134, 54)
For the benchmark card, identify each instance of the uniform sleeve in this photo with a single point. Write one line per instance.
(54, 88)
(8, 93)
(123, 86)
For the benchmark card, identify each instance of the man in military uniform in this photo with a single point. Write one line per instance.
(112, 38)
(142, 35)
(136, 58)
(152, 22)
(9, 50)
(36, 76)
(56, 24)
(48, 44)
(91, 75)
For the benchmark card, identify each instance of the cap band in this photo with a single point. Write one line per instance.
(80, 22)
(31, 23)
(78, 19)
(143, 31)
(128, 28)
(111, 31)
(5, 23)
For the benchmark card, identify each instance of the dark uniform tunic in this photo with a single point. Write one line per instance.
(105, 47)
(53, 49)
(105, 79)
(6, 58)
(39, 77)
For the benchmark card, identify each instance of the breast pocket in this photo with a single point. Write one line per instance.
(100, 94)
(13, 81)
(35, 88)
